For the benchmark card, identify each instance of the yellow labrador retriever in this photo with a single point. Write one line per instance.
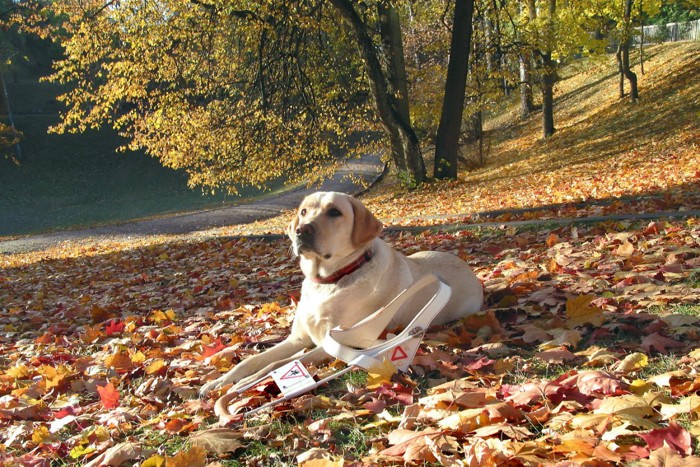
(350, 273)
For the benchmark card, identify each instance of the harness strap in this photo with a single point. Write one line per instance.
(343, 343)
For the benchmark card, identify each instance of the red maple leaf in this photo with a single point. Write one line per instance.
(660, 343)
(109, 396)
(114, 327)
(215, 347)
(675, 436)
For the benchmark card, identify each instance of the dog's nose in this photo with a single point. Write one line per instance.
(305, 230)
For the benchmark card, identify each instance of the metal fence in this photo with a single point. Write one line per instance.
(671, 32)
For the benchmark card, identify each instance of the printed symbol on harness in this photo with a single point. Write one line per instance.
(295, 372)
(398, 354)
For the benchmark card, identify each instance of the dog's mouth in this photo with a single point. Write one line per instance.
(308, 249)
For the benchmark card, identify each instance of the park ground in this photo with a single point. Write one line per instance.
(586, 353)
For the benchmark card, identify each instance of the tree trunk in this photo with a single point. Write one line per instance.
(390, 31)
(447, 140)
(405, 147)
(624, 51)
(548, 96)
(527, 104)
(548, 76)
(641, 37)
(526, 100)
(621, 71)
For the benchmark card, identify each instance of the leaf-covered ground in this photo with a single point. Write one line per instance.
(586, 353)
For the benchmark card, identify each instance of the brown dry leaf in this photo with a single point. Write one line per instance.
(218, 440)
(577, 442)
(626, 249)
(465, 420)
(117, 455)
(562, 337)
(318, 457)
(660, 343)
(411, 445)
(119, 360)
(665, 379)
(515, 432)
(193, 457)
(440, 449)
(558, 356)
(667, 457)
(598, 357)
(688, 404)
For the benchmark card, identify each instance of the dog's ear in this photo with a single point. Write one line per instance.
(292, 227)
(365, 226)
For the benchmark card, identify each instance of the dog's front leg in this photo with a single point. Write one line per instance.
(252, 365)
(312, 357)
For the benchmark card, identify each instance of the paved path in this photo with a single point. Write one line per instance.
(365, 171)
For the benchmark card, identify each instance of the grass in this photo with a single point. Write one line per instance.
(77, 180)
(682, 309)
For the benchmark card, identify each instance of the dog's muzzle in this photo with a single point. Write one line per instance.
(305, 236)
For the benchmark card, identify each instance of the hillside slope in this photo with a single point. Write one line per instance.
(604, 148)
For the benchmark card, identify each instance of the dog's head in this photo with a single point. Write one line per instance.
(331, 225)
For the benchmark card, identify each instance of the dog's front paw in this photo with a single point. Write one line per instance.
(218, 383)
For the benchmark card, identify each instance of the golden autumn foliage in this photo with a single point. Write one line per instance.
(234, 93)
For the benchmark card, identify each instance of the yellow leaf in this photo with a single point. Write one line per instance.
(380, 374)
(18, 372)
(80, 451)
(159, 316)
(579, 311)
(41, 435)
(155, 366)
(101, 433)
(154, 461)
(639, 387)
(138, 357)
(632, 362)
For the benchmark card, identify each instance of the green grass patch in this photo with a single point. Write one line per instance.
(680, 309)
(78, 180)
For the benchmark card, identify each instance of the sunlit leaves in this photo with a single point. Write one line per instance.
(109, 396)
(235, 94)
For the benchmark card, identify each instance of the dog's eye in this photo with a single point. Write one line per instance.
(303, 212)
(333, 212)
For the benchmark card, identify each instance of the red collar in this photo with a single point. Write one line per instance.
(349, 269)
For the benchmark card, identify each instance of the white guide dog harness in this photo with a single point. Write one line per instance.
(358, 346)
